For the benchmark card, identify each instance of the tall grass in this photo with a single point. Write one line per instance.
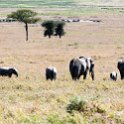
(38, 101)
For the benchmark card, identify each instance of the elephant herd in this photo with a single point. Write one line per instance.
(78, 67)
(81, 66)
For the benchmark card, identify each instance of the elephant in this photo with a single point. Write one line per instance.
(113, 76)
(81, 66)
(8, 71)
(120, 67)
(51, 73)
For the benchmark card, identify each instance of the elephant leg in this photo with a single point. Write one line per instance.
(75, 78)
(72, 77)
(92, 75)
(85, 75)
(92, 71)
(10, 75)
(78, 77)
(122, 76)
(47, 78)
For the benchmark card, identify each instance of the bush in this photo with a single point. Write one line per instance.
(55, 28)
(77, 104)
(49, 28)
(59, 30)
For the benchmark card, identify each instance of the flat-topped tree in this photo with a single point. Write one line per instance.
(25, 16)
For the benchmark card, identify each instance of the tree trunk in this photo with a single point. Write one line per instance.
(26, 28)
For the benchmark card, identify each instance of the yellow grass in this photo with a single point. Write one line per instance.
(31, 99)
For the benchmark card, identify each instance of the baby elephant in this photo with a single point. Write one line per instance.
(8, 71)
(51, 73)
(113, 76)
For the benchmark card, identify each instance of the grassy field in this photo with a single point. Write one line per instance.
(36, 3)
(64, 7)
(57, 3)
(30, 99)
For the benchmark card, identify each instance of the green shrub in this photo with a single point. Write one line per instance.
(55, 28)
(77, 104)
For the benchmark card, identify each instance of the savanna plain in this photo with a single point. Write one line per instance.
(30, 99)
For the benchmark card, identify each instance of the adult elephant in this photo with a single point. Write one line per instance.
(81, 66)
(8, 71)
(120, 67)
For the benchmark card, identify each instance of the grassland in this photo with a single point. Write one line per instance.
(30, 99)
(57, 3)
(37, 3)
(64, 7)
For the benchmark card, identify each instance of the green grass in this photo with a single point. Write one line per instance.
(64, 7)
(53, 3)
(37, 3)
(62, 4)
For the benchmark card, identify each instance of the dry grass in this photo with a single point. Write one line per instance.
(31, 99)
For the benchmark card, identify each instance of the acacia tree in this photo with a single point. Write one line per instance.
(49, 28)
(53, 28)
(25, 16)
(59, 31)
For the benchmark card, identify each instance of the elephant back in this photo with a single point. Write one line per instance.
(75, 68)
